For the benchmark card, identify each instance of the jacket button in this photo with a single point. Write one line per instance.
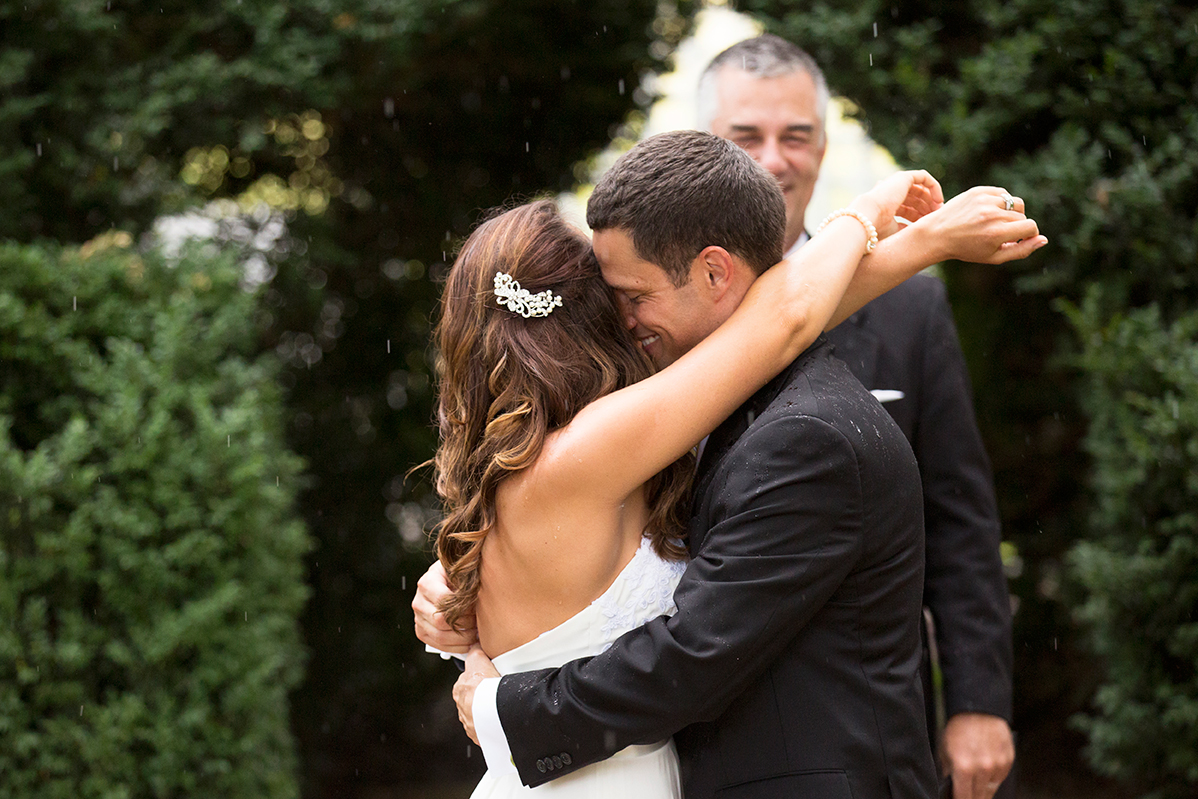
(557, 761)
(566, 758)
(541, 766)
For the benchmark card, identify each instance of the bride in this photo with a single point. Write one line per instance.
(565, 462)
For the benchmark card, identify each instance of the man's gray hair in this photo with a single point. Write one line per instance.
(765, 56)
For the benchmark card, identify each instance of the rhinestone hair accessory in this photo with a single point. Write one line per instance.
(517, 300)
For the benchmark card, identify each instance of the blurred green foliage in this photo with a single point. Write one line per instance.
(1089, 111)
(1139, 564)
(151, 552)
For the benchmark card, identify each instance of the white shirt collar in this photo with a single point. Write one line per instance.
(799, 242)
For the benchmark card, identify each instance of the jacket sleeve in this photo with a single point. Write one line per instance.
(965, 587)
(785, 531)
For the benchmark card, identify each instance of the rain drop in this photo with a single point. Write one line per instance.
(74, 303)
(39, 149)
(875, 30)
(621, 86)
(403, 583)
(525, 146)
(871, 59)
(388, 346)
(228, 441)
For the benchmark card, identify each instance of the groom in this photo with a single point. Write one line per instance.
(792, 665)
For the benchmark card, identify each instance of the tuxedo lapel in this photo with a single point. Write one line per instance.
(726, 436)
(718, 444)
(857, 345)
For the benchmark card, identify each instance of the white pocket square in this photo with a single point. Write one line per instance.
(887, 394)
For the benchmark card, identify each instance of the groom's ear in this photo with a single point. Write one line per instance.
(719, 271)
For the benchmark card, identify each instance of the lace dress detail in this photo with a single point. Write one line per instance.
(646, 593)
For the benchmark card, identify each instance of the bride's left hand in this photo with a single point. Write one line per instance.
(902, 198)
(478, 668)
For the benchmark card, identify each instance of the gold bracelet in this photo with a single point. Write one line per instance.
(870, 230)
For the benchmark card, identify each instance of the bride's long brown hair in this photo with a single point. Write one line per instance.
(507, 381)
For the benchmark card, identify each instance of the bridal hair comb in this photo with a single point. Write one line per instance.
(517, 300)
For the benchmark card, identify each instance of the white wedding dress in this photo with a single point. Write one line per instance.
(644, 590)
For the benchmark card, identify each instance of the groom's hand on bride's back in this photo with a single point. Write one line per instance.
(478, 668)
(431, 627)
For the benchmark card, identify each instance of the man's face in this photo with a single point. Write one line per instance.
(775, 120)
(666, 319)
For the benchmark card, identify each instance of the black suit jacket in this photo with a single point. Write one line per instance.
(906, 340)
(794, 655)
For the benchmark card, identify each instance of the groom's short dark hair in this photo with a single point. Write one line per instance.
(676, 193)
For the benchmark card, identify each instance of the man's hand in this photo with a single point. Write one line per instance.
(976, 226)
(478, 668)
(978, 751)
(430, 623)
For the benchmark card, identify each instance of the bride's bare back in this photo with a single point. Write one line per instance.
(548, 558)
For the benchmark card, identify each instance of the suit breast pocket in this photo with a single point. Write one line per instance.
(805, 785)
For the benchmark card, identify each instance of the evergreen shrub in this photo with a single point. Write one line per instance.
(151, 557)
(1139, 562)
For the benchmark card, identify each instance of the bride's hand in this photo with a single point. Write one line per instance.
(976, 226)
(902, 198)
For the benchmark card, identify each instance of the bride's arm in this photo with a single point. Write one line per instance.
(623, 439)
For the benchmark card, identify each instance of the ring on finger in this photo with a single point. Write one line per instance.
(1008, 200)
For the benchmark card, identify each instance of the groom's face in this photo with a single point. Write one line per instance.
(667, 320)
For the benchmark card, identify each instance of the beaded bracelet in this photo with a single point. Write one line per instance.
(870, 230)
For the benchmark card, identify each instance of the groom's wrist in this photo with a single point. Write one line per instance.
(487, 726)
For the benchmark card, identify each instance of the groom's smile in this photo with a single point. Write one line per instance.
(665, 319)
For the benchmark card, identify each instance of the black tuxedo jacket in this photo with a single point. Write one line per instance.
(794, 654)
(906, 341)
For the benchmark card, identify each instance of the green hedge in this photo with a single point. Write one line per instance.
(151, 568)
(1139, 562)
